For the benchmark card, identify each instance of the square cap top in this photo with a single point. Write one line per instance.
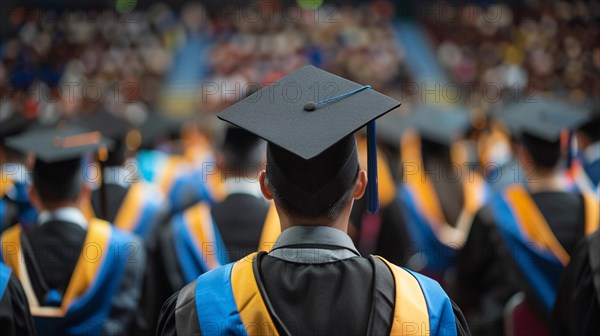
(543, 118)
(441, 124)
(56, 145)
(110, 125)
(308, 111)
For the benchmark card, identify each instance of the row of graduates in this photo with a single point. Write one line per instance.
(176, 221)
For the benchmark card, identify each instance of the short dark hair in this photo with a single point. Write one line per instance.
(590, 128)
(60, 181)
(545, 154)
(332, 212)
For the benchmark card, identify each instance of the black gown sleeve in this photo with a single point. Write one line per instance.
(485, 278)
(166, 320)
(462, 327)
(15, 317)
(577, 311)
(125, 304)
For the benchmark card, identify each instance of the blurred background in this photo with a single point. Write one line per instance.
(182, 58)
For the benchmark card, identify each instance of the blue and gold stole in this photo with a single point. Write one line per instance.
(228, 301)
(531, 243)
(436, 242)
(199, 246)
(137, 211)
(87, 301)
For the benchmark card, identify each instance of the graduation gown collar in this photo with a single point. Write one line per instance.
(313, 244)
(67, 214)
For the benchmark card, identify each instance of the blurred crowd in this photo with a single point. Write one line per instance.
(119, 60)
(57, 64)
(550, 47)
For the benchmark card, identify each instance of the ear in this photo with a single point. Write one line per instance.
(85, 194)
(361, 185)
(219, 158)
(523, 155)
(266, 191)
(34, 198)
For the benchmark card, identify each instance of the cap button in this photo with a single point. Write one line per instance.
(310, 106)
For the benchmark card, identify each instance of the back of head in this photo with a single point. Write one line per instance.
(241, 152)
(591, 128)
(319, 187)
(545, 154)
(58, 181)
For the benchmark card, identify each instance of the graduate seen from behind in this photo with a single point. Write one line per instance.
(80, 275)
(522, 241)
(313, 281)
(206, 236)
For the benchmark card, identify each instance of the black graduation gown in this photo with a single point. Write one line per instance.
(393, 241)
(577, 307)
(486, 275)
(51, 252)
(333, 296)
(114, 196)
(15, 319)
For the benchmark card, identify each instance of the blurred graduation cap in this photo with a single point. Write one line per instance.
(441, 124)
(540, 126)
(59, 144)
(58, 152)
(118, 130)
(544, 119)
(311, 152)
(158, 125)
(436, 123)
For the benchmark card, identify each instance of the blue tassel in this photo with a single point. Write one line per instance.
(372, 189)
(52, 298)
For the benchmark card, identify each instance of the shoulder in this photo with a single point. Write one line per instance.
(166, 320)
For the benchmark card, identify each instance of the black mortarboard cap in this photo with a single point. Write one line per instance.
(58, 151)
(309, 118)
(442, 124)
(542, 118)
(115, 128)
(391, 126)
(59, 144)
(158, 125)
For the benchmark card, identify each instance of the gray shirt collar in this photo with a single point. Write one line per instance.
(313, 245)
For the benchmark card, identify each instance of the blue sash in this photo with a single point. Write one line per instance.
(540, 267)
(437, 256)
(5, 273)
(198, 244)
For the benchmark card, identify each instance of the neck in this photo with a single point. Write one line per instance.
(546, 180)
(54, 205)
(340, 223)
